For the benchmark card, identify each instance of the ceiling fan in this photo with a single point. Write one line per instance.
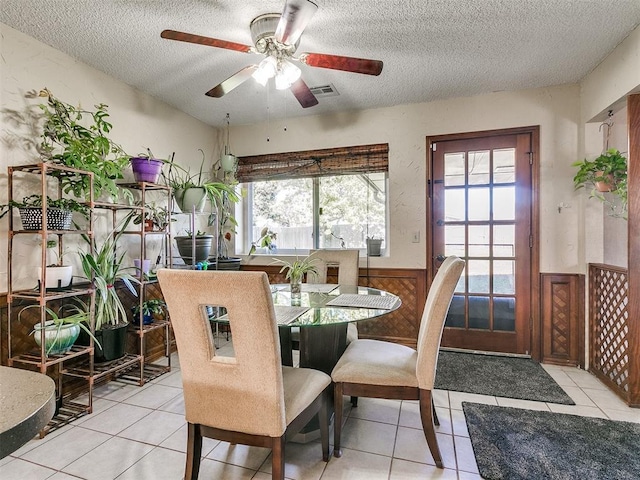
(277, 37)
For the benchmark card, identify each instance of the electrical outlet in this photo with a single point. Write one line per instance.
(416, 237)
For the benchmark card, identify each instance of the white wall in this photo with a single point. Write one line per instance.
(405, 128)
(139, 121)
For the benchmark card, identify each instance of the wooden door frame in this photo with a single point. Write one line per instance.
(534, 131)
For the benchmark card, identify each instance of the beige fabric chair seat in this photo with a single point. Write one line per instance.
(377, 363)
(301, 387)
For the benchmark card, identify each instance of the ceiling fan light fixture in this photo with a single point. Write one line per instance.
(287, 75)
(266, 69)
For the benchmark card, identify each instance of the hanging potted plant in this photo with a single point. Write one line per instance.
(192, 191)
(146, 168)
(104, 266)
(606, 173)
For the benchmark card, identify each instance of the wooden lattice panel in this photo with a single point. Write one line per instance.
(609, 326)
(562, 310)
(560, 325)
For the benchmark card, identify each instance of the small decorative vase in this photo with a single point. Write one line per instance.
(296, 289)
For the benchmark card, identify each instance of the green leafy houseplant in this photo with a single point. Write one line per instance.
(77, 138)
(267, 240)
(105, 266)
(155, 218)
(149, 308)
(606, 173)
(298, 268)
(181, 180)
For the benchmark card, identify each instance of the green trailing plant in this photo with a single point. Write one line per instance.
(79, 315)
(35, 201)
(78, 138)
(607, 170)
(105, 267)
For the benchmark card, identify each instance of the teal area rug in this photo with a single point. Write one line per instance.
(519, 444)
(498, 376)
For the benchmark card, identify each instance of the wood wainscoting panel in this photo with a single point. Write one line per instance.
(562, 305)
(400, 326)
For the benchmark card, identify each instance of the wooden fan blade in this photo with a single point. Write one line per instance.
(347, 64)
(301, 91)
(294, 19)
(208, 41)
(232, 82)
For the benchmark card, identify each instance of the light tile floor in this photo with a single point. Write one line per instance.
(139, 433)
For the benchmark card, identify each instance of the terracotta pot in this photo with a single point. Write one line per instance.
(604, 186)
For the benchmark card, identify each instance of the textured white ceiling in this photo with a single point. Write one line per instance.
(431, 49)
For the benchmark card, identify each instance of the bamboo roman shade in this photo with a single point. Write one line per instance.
(314, 163)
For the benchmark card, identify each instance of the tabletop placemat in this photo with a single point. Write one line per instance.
(380, 302)
(319, 287)
(284, 314)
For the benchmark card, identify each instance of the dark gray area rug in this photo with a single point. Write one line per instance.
(498, 376)
(518, 444)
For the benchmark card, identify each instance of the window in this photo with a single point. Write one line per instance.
(331, 198)
(348, 209)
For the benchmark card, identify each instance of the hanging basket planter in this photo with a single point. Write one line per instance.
(57, 218)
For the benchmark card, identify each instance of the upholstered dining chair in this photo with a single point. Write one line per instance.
(378, 369)
(347, 261)
(249, 398)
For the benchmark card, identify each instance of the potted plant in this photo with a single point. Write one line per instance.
(296, 270)
(203, 245)
(155, 219)
(104, 266)
(78, 138)
(267, 241)
(57, 276)
(373, 246)
(147, 310)
(59, 212)
(606, 173)
(146, 168)
(61, 331)
(191, 191)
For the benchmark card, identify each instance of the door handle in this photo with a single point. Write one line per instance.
(440, 257)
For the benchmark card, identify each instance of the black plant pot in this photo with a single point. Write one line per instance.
(113, 341)
(231, 263)
(203, 247)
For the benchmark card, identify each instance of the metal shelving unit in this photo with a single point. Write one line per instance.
(25, 355)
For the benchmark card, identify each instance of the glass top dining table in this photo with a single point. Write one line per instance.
(323, 313)
(329, 304)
